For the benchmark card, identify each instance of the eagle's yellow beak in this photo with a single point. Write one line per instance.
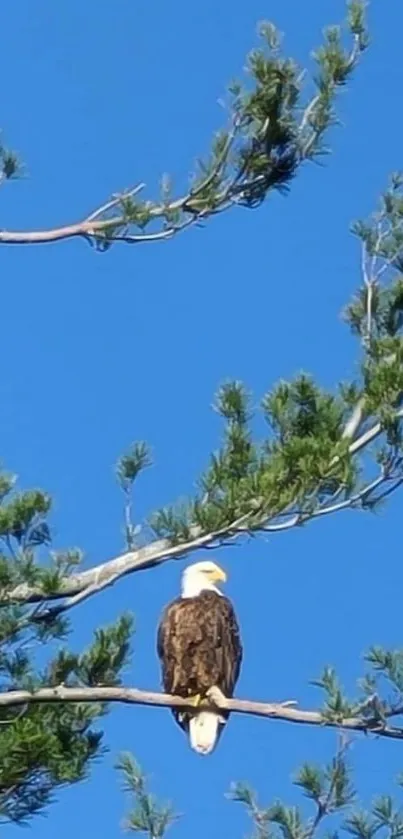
(217, 575)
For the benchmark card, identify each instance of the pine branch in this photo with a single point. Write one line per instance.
(133, 696)
(273, 131)
(376, 311)
(79, 587)
(146, 815)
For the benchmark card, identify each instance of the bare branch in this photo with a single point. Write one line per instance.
(133, 696)
(370, 435)
(355, 420)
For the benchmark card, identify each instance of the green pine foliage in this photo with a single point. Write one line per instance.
(304, 451)
(43, 747)
(309, 462)
(146, 815)
(334, 803)
(9, 164)
(310, 459)
(329, 788)
(276, 121)
(333, 812)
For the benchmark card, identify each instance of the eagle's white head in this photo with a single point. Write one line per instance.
(201, 576)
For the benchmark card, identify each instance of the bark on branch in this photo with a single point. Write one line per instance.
(133, 696)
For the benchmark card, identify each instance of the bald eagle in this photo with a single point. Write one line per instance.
(199, 647)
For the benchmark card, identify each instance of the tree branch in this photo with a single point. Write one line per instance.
(78, 587)
(104, 575)
(133, 696)
(266, 144)
(97, 224)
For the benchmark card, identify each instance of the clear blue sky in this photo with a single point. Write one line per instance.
(100, 350)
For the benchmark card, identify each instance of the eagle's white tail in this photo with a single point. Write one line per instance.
(204, 731)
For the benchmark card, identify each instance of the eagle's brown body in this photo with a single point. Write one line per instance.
(199, 647)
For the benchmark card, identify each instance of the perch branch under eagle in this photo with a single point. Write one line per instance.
(200, 649)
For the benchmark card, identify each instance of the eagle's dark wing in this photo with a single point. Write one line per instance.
(168, 645)
(198, 643)
(228, 647)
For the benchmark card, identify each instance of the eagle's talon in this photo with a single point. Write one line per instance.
(195, 700)
(216, 696)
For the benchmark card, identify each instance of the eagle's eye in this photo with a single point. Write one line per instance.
(216, 574)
